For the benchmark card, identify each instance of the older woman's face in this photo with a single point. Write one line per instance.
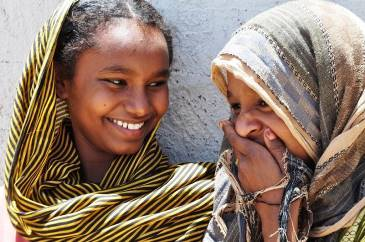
(252, 116)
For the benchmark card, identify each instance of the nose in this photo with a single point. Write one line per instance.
(247, 125)
(138, 104)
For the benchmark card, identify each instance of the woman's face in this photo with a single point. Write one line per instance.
(119, 91)
(252, 116)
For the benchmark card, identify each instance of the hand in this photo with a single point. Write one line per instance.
(259, 167)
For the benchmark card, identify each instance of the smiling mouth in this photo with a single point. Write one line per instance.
(126, 125)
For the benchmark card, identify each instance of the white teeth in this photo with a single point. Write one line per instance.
(127, 125)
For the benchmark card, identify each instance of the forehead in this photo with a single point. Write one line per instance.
(126, 44)
(129, 34)
(237, 89)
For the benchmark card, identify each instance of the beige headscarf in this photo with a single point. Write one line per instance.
(310, 60)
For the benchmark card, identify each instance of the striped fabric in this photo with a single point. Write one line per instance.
(141, 197)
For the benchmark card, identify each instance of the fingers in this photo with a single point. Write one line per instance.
(275, 146)
(229, 132)
(240, 144)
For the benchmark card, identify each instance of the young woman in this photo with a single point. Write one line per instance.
(83, 163)
(294, 77)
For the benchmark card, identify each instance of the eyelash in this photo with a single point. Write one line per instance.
(262, 103)
(237, 106)
(117, 82)
(157, 83)
(121, 82)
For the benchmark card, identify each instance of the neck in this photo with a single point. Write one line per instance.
(94, 162)
(94, 170)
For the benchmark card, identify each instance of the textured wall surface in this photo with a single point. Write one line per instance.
(200, 28)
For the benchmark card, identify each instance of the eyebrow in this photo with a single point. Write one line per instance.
(229, 94)
(117, 68)
(124, 70)
(164, 73)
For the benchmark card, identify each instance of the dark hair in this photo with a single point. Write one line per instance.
(86, 16)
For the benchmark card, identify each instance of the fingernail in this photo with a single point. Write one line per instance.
(220, 124)
(269, 134)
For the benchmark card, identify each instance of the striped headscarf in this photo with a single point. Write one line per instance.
(310, 60)
(140, 198)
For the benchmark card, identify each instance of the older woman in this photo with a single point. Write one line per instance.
(294, 77)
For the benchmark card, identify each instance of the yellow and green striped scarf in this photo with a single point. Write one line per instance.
(141, 197)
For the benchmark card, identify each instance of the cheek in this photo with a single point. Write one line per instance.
(160, 102)
(282, 131)
(278, 126)
(93, 101)
(102, 102)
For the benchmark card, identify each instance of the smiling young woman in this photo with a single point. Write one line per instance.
(118, 93)
(83, 163)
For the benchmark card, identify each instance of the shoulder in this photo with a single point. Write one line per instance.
(7, 231)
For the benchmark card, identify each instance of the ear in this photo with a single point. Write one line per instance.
(61, 84)
(61, 89)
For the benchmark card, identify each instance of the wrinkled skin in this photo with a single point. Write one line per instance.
(259, 139)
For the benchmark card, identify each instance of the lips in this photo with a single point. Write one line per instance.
(127, 125)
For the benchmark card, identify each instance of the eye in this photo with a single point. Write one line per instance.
(263, 106)
(118, 82)
(262, 103)
(235, 106)
(114, 82)
(157, 83)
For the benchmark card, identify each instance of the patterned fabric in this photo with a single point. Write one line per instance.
(310, 60)
(223, 195)
(357, 231)
(141, 197)
(299, 178)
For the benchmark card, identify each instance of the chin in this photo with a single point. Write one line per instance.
(128, 149)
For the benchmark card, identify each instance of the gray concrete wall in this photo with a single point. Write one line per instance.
(200, 28)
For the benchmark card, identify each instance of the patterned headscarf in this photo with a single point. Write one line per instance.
(140, 198)
(310, 60)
